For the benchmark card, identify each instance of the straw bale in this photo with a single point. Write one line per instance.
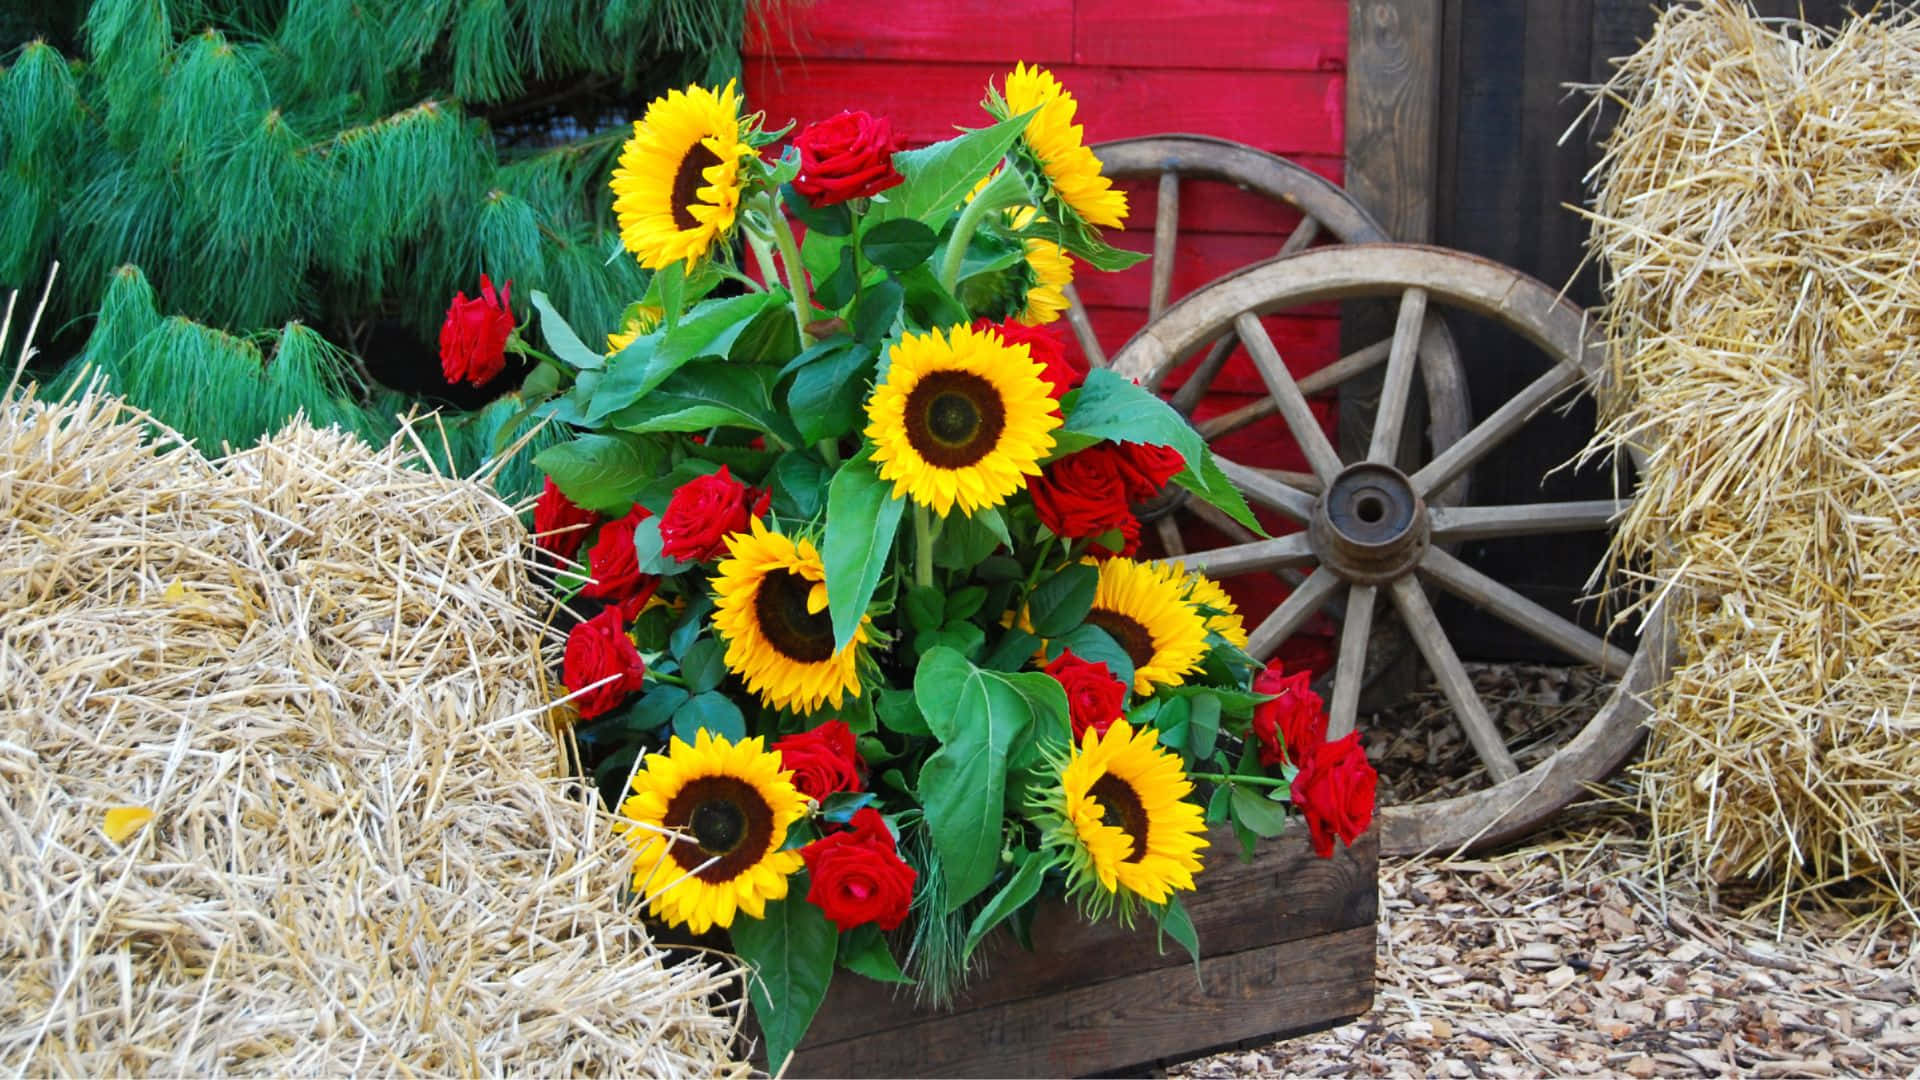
(1757, 216)
(313, 664)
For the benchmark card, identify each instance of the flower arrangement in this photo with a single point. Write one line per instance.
(875, 667)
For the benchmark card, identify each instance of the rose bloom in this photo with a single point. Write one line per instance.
(1046, 347)
(473, 340)
(1082, 496)
(1094, 696)
(1294, 722)
(823, 760)
(559, 526)
(615, 568)
(856, 876)
(1334, 792)
(704, 511)
(1146, 469)
(847, 157)
(596, 649)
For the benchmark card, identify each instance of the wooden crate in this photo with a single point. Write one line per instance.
(1287, 947)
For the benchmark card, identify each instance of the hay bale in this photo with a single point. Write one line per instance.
(301, 689)
(1758, 221)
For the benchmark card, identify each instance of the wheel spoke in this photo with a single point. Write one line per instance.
(1083, 328)
(1453, 678)
(1170, 537)
(1290, 550)
(1166, 227)
(1293, 611)
(1398, 387)
(1188, 396)
(1488, 433)
(1455, 523)
(1294, 503)
(1314, 383)
(1286, 394)
(1303, 234)
(1306, 482)
(1352, 668)
(1516, 610)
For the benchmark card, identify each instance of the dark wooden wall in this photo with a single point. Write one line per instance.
(1502, 181)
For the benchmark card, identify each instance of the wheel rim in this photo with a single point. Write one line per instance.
(1371, 530)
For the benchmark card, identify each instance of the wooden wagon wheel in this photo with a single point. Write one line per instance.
(1371, 528)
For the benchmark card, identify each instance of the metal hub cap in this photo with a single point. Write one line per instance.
(1369, 527)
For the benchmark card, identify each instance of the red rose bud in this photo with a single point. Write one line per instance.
(473, 340)
(857, 876)
(1046, 347)
(847, 157)
(1082, 496)
(1294, 722)
(615, 568)
(1146, 469)
(1094, 696)
(704, 512)
(1334, 792)
(558, 525)
(599, 649)
(823, 760)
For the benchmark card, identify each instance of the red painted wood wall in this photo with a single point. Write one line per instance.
(1270, 73)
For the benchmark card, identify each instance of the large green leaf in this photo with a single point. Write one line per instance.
(900, 244)
(1110, 406)
(1211, 483)
(864, 952)
(792, 951)
(938, 177)
(566, 345)
(711, 394)
(1022, 887)
(826, 394)
(601, 472)
(709, 329)
(862, 517)
(1059, 603)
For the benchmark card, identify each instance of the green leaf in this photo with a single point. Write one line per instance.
(1211, 484)
(1110, 406)
(769, 338)
(792, 950)
(864, 952)
(1258, 813)
(1021, 888)
(1062, 601)
(711, 394)
(966, 541)
(963, 604)
(926, 607)
(713, 711)
(1012, 652)
(826, 395)
(710, 329)
(704, 664)
(1219, 804)
(899, 714)
(900, 244)
(647, 544)
(601, 472)
(1178, 925)
(670, 285)
(1233, 702)
(862, 516)
(964, 638)
(928, 303)
(1203, 725)
(659, 490)
(833, 291)
(799, 485)
(875, 311)
(839, 807)
(562, 341)
(835, 220)
(1173, 720)
(1095, 646)
(696, 620)
(936, 178)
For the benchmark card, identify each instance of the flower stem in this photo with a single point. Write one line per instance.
(923, 549)
(1229, 778)
(962, 235)
(796, 272)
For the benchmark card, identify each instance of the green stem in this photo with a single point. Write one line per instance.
(923, 545)
(957, 247)
(763, 258)
(1228, 778)
(796, 273)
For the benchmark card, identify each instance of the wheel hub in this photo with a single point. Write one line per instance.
(1369, 527)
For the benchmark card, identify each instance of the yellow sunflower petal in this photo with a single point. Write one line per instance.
(1144, 607)
(123, 821)
(677, 187)
(778, 638)
(1124, 798)
(1056, 141)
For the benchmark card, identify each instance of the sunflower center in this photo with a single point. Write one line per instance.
(688, 182)
(954, 418)
(730, 823)
(1127, 633)
(1121, 807)
(780, 607)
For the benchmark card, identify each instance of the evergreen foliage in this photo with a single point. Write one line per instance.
(257, 203)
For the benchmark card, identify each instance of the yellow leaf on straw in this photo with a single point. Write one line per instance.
(123, 821)
(178, 593)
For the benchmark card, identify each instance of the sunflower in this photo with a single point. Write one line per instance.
(731, 805)
(1055, 141)
(962, 419)
(1121, 821)
(770, 605)
(1051, 269)
(677, 187)
(1146, 610)
(1222, 616)
(639, 319)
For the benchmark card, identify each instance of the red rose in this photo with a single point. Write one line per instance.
(614, 567)
(558, 524)
(847, 157)
(473, 340)
(600, 649)
(857, 875)
(1146, 469)
(1044, 346)
(1094, 696)
(1294, 722)
(1082, 496)
(1334, 792)
(823, 760)
(704, 511)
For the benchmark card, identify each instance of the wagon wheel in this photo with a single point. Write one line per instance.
(1372, 532)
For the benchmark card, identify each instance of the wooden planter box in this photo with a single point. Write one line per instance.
(1287, 947)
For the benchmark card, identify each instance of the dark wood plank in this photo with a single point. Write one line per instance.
(1302, 35)
(1127, 1022)
(1392, 87)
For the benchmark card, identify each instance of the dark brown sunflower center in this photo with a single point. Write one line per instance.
(954, 418)
(1121, 807)
(1127, 633)
(688, 182)
(729, 822)
(780, 606)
